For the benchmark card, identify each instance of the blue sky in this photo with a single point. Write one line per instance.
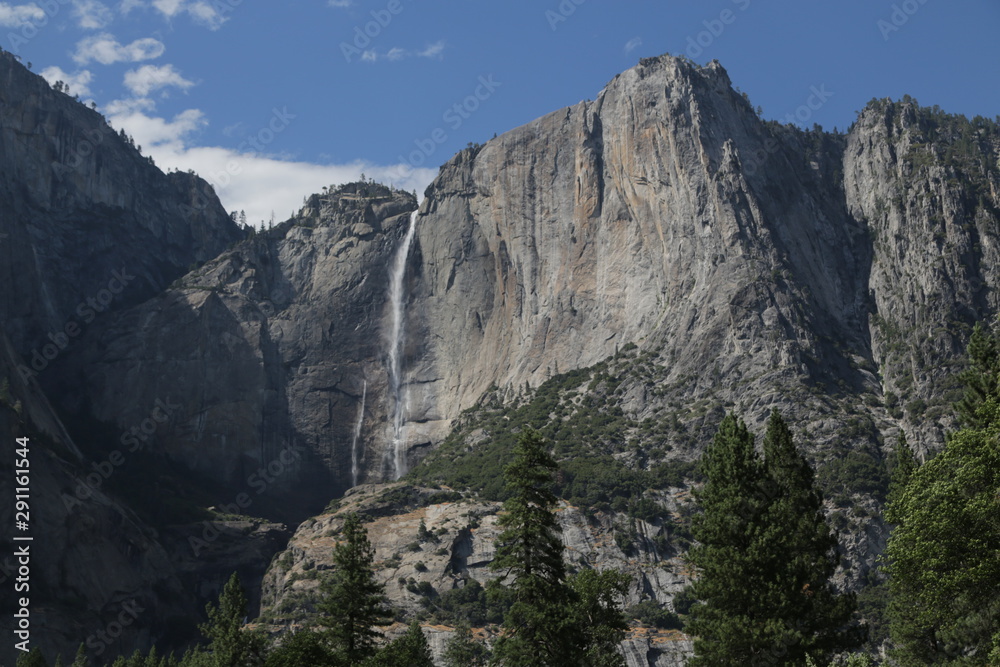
(272, 100)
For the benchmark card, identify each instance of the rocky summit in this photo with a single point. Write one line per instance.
(631, 267)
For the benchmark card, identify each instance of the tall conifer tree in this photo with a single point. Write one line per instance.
(355, 602)
(765, 557)
(537, 628)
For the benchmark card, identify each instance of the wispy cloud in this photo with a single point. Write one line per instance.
(340, 3)
(396, 53)
(14, 16)
(91, 14)
(202, 12)
(78, 82)
(433, 51)
(633, 44)
(149, 78)
(105, 49)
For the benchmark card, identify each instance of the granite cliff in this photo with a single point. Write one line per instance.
(681, 254)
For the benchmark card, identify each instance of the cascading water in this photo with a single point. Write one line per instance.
(357, 436)
(397, 335)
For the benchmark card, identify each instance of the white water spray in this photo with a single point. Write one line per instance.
(357, 436)
(397, 338)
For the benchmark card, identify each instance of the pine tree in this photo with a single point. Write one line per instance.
(32, 658)
(810, 618)
(904, 465)
(732, 511)
(765, 557)
(230, 644)
(410, 650)
(305, 647)
(537, 629)
(81, 659)
(354, 601)
(463, 650)
(981, 377)
(597, 612)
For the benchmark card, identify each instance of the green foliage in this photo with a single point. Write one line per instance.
(305, 647)
(944, 554)
(32, 658)
(652, 614)
(597, 612)
(464, 651)
(81, 659)
(579, 413)
(854, 471)
(230, 644)
(410, 650)
(981, 377)
(468, 603)
(765, 556)
(355, 601)
(532, 576)
(904, 465)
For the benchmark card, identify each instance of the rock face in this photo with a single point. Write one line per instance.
(91, 559)
(87, 226)
(663, 213)
(87, 223)
(454, 548)
(766, 266)
(757, 266)
(271, 348)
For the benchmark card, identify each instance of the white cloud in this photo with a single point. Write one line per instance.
(398, 53)
(433, 51)
(105, 49)
(206, 13)
(340, 3)
(633, 44)
(247, 180)
(92, 14)
(78, 82)
(14, 16)
(153, 133)
(129, 106)
(128, 5)
(149, 78)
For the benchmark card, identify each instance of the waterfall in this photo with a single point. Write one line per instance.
(397, 337)
(357, 435)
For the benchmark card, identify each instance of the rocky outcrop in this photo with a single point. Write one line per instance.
(269, 350)
(87, 223)
(927, 186)
(87, 226)
(92, 562)
(428, 542)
